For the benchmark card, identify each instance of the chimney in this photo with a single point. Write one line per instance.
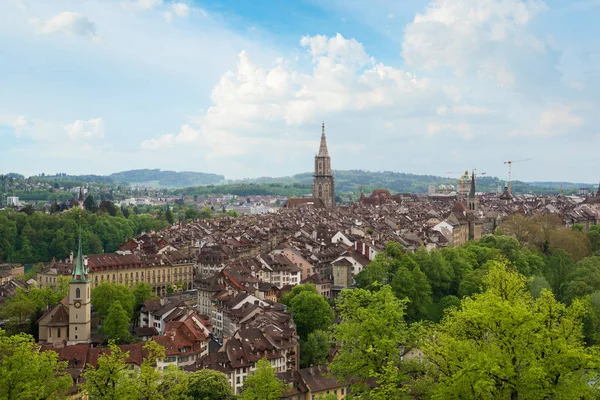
(311, 370)
(71, 257)
(162, 300)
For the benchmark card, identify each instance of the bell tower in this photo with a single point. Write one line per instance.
(80, 315)
(323, 184)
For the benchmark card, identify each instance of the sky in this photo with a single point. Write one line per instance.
(241, 88)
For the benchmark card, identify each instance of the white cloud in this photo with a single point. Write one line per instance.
(559, 119)
(485, 37)
(85, 130)
(471, 110)
(18, 123)
(142, 5)
(66, 22)
(254, 101)
(181, 10)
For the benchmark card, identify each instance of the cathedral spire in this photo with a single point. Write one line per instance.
(323, 148)
(79, 272)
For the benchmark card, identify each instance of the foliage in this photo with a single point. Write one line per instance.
(207, 384)
(23, 310)
(116, 324)
(369, 337)
(263, 384)
(153, 384)
(26, 373)
(311, 312)
(110, 380)
(296, 290)
(107, 293)
(503, 344)
(315, 349)
(55, 235)
(90, 204)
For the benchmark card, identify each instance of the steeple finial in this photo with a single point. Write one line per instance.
(79, 272)
(323, 148)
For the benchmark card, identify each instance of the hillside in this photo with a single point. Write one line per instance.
(366, 181)
(145, 177)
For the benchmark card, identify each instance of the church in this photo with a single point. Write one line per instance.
(70, 321)
(323, 183)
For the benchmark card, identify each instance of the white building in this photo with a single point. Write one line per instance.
(12, 201)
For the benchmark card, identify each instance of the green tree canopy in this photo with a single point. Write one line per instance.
(110, 380)
(296, 290)
(28, 374)
(208, 384)
(311, 312)
(263, 384)
(503, 344)
(116, 324)
(370, 337)
(315, 349)
(154, 384)
(107, 293)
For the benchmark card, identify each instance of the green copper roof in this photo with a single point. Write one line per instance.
(79, 272)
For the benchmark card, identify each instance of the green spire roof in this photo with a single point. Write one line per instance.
(79, 272)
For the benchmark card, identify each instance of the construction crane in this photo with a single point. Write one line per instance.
(510, 163)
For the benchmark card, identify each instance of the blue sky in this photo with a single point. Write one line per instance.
(240, 88)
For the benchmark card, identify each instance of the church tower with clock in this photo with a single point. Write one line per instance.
(323, 179)
(80, 313)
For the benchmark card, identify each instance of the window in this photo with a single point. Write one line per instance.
(77, 293)
(58, 333)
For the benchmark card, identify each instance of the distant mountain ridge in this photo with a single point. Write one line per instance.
(147, 177)
(345, 181)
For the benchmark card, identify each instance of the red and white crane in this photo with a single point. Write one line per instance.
(510, 163)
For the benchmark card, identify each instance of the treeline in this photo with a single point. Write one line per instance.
(249, 189)
(34, 237)
(356, 181)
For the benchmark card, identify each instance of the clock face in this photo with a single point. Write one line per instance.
(77, 304)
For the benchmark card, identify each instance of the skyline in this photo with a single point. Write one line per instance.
(421, 87)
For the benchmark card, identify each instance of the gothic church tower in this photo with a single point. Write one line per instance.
(80, 315)
(323, 179)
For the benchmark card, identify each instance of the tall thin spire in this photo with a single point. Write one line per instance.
(79, 272)
(323, 148)
(472, 192)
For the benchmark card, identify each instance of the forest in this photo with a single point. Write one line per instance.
(35, 237)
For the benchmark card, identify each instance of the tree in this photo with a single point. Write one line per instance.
(116, 324)
(414, 286)
(503, 344)
(370, 336)
(110, 380)
(263, 383)
(572, 241)
(26, 373)
(315, 350)
(311, 312)
(154, 384)
(107, 206)
(90, 204)
(583, 280)
(557, 266)
(107, 293)
(208, 384)
(142, 292)
(169, 215)
(296, 290)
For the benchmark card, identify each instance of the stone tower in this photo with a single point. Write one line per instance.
(472, 201)
(323, 179)
(80, 315)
